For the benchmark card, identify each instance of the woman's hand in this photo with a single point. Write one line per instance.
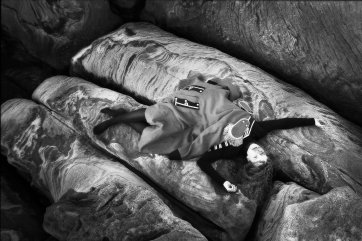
(229, 186)
(318, 123)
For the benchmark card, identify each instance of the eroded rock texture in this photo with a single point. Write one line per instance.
(316, 45)
(295, 213)
(54, 30)
(148, 62)
(80, 102)
(95, 197)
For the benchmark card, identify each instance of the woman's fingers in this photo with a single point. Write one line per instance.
(230, 187)
(233, 188)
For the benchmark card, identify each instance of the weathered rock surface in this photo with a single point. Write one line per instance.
(295, 213)
(148, 62)
(21, 215)
(54, 30)
(80, 103)
(315, 45)
(95, 197)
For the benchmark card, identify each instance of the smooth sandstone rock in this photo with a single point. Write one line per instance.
(95, 197)
(315, 45)
(53, 31)
(80, 103)
(142, 59)
(279, 198)
(295, 213)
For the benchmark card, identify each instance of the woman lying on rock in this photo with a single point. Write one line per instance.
(200, 120)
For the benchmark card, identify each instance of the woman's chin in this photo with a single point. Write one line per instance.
(257, 163)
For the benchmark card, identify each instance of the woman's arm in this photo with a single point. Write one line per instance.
(205, 164)
(206, 160)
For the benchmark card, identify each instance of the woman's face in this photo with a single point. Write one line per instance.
(256, 155)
